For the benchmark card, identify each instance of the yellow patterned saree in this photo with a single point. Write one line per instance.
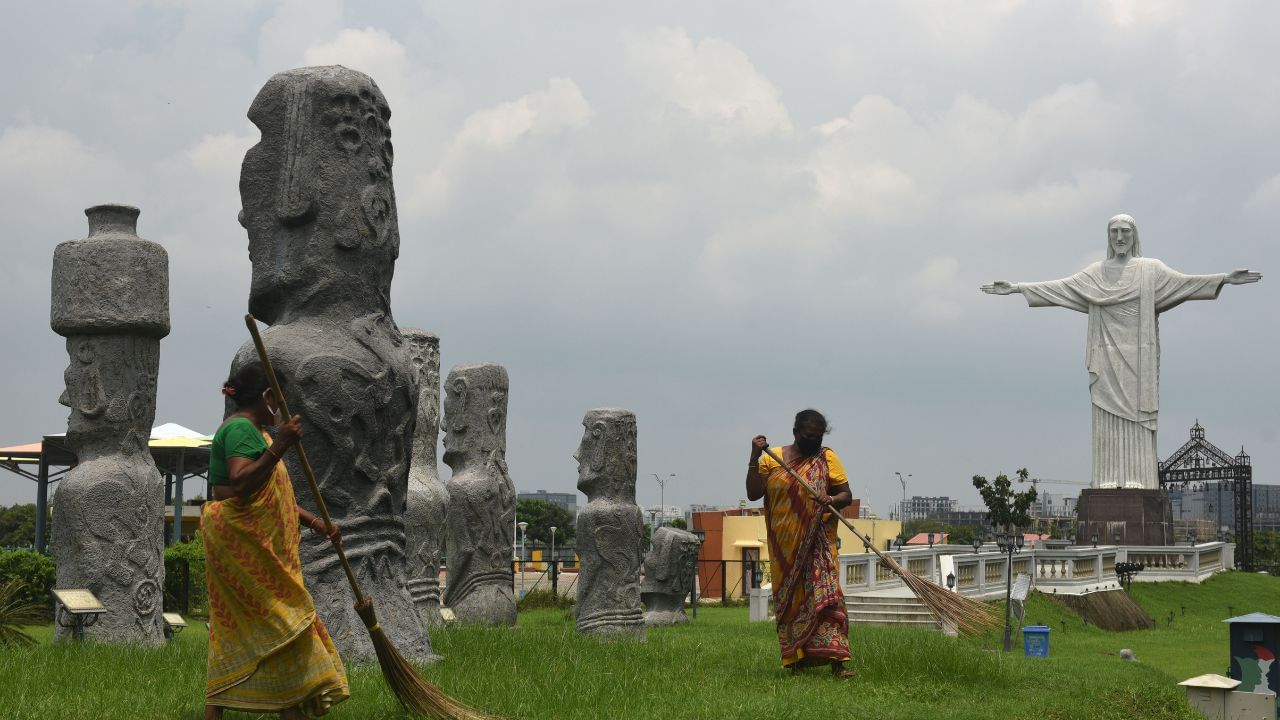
(813, 626)
(268, 650)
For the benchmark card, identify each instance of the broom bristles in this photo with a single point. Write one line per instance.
(965, 615)
(414, 692)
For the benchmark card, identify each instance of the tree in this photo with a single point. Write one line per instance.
(1006, 509)
(962, 535)
(541, 516)
(679, 524)
(18, 526)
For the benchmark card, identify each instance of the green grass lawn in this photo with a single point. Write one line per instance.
(722, 666)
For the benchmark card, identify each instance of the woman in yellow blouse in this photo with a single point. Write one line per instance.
(813, 626)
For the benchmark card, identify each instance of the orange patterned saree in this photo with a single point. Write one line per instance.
(813, 625)
(268, 650)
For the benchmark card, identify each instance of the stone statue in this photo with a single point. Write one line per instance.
(482, 498)
(319, 207)
(111, 303)
(1124, 296)
(669, 569)
(610, 529)
(427, 503)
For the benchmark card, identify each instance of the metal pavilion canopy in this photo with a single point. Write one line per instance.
(179, 453)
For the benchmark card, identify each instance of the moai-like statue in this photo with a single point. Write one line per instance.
(610, 529)
(319, 207)
(482, 498)
(669, 570)
(427, 502)
(111, 303)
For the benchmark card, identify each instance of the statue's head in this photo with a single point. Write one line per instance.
(475, 413)
(1122, 236)
(607, 454)
(424, 352)
(316, 193)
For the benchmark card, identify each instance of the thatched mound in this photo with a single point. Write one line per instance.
(1110, 610)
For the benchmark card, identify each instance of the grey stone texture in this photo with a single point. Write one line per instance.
(319, 207)
(482, 498)
(669, 570)
(110, 300)
(427, 502)
(610, 529)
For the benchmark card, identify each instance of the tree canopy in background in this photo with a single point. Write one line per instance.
(18, 526)
(541, 516)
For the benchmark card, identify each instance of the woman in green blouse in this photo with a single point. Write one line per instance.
(268, 650)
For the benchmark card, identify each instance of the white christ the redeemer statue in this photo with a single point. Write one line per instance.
(1124, 296)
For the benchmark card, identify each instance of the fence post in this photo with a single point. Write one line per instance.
(724, 583)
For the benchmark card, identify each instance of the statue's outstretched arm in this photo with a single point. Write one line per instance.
(1000, 287)
(1242, 277)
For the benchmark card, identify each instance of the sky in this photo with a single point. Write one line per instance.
(714, 214)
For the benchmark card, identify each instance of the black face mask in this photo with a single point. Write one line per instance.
(809, 446)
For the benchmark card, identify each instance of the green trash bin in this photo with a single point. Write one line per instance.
(1035, 641)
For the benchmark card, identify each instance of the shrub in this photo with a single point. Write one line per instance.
(544, 598)
(16, 612)
(192, 551)
(37, 574)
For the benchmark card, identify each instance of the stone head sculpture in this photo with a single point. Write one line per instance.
(424, 353)
(607, 455)
(111, 302)
(475, 415)
(316, 193)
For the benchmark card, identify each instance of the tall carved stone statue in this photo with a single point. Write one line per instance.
(482, 498)
(427, 503)
(111, 302)
(1123, 297)
(669, 570)
(319, 207)
(610, 529)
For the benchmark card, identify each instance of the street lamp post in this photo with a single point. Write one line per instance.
(902, 510)
(523, 526)
(662, 495)
(553, 545)
(1008, 545)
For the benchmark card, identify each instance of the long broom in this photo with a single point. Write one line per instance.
(414, 692)
(951, 609)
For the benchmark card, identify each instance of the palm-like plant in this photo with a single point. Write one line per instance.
(16, 612)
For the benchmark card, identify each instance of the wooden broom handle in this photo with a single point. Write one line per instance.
(252, 324)
(814, 494)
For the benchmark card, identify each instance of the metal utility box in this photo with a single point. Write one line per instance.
(1035, 641)
(1208, 694)
(1255, 643)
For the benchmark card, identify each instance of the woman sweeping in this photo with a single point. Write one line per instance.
(813, 627)
(268, 650)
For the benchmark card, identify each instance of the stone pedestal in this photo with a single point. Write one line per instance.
(1141, 517)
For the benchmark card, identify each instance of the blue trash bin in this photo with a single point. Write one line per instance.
(1035, 641)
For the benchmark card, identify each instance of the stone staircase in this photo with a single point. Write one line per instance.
(895, 609)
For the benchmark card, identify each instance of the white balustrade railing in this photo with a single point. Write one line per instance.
(1071, 570)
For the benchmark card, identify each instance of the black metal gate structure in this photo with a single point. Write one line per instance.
(1200, 462)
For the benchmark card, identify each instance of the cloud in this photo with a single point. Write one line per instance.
(1088, 190)
(712, 83)
(1267, 194)
(371, 51)
(45, 164)
(558, 108)
(938, 290)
